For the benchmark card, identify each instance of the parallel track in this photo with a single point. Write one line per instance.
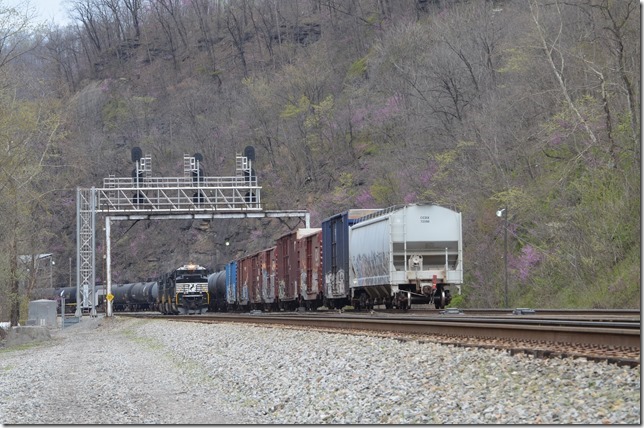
(615, 340)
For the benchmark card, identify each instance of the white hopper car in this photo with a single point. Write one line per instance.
(403, 252)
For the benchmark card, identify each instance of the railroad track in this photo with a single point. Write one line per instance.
(615, 339)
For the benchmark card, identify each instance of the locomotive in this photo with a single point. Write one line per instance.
(184, 290)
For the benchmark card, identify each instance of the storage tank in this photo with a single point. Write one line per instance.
(416, 248)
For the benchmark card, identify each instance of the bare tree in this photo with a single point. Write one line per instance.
(134, 7)
(16, 34)
(204, 12)
(236, 25)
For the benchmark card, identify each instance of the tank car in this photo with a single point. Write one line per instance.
(143, 296)
(405, 251)
(69, 293)
(217, 291)
(121, 293)
(184, 290)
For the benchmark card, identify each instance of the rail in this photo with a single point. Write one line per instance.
(622, 338)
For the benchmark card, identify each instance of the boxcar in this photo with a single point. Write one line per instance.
(287, 271)
(121, 293)
(267, 265)
(335, 263)
(406, 250)
(309, 272)
(231, 284)
(248, 281)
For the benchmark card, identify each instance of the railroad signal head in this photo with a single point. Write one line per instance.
(249, 152)
(137, 154)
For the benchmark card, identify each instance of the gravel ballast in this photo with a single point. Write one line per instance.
(131, 371)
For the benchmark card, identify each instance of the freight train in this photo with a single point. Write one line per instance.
(360, 258)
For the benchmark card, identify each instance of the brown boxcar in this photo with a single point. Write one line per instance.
(310, 286)
(267, 265)
(247, 281)
(298, 258)
(287, 270)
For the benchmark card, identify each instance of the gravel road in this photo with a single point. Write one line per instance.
(129, 371)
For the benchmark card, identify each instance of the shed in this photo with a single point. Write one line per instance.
(43, 312)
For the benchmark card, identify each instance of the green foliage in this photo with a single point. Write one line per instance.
(516, 61)
(291, 109)
(458, 301)
(513, 198)
(346, 179)
(114, 112)
(384, 191)
(358, 68)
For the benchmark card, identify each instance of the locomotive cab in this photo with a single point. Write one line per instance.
(191, 289)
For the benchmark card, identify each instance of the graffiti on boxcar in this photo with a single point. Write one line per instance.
(335, 283)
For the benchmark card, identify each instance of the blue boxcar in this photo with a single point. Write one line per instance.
(231, 283)
(335, 247)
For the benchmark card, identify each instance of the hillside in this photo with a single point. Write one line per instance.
(475, 105)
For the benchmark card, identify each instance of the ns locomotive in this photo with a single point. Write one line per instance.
(184, 290)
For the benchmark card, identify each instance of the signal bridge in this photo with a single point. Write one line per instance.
(144, 197)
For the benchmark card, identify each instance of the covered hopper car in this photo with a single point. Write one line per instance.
(404, 251)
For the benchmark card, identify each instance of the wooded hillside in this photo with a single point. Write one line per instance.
(474, 105)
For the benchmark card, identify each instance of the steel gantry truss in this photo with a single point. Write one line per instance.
(144, 197)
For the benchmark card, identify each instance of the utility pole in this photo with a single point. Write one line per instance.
(504, 212)
(505, 256)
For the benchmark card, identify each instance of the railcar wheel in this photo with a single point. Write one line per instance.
(362, 302)
(439, 301)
